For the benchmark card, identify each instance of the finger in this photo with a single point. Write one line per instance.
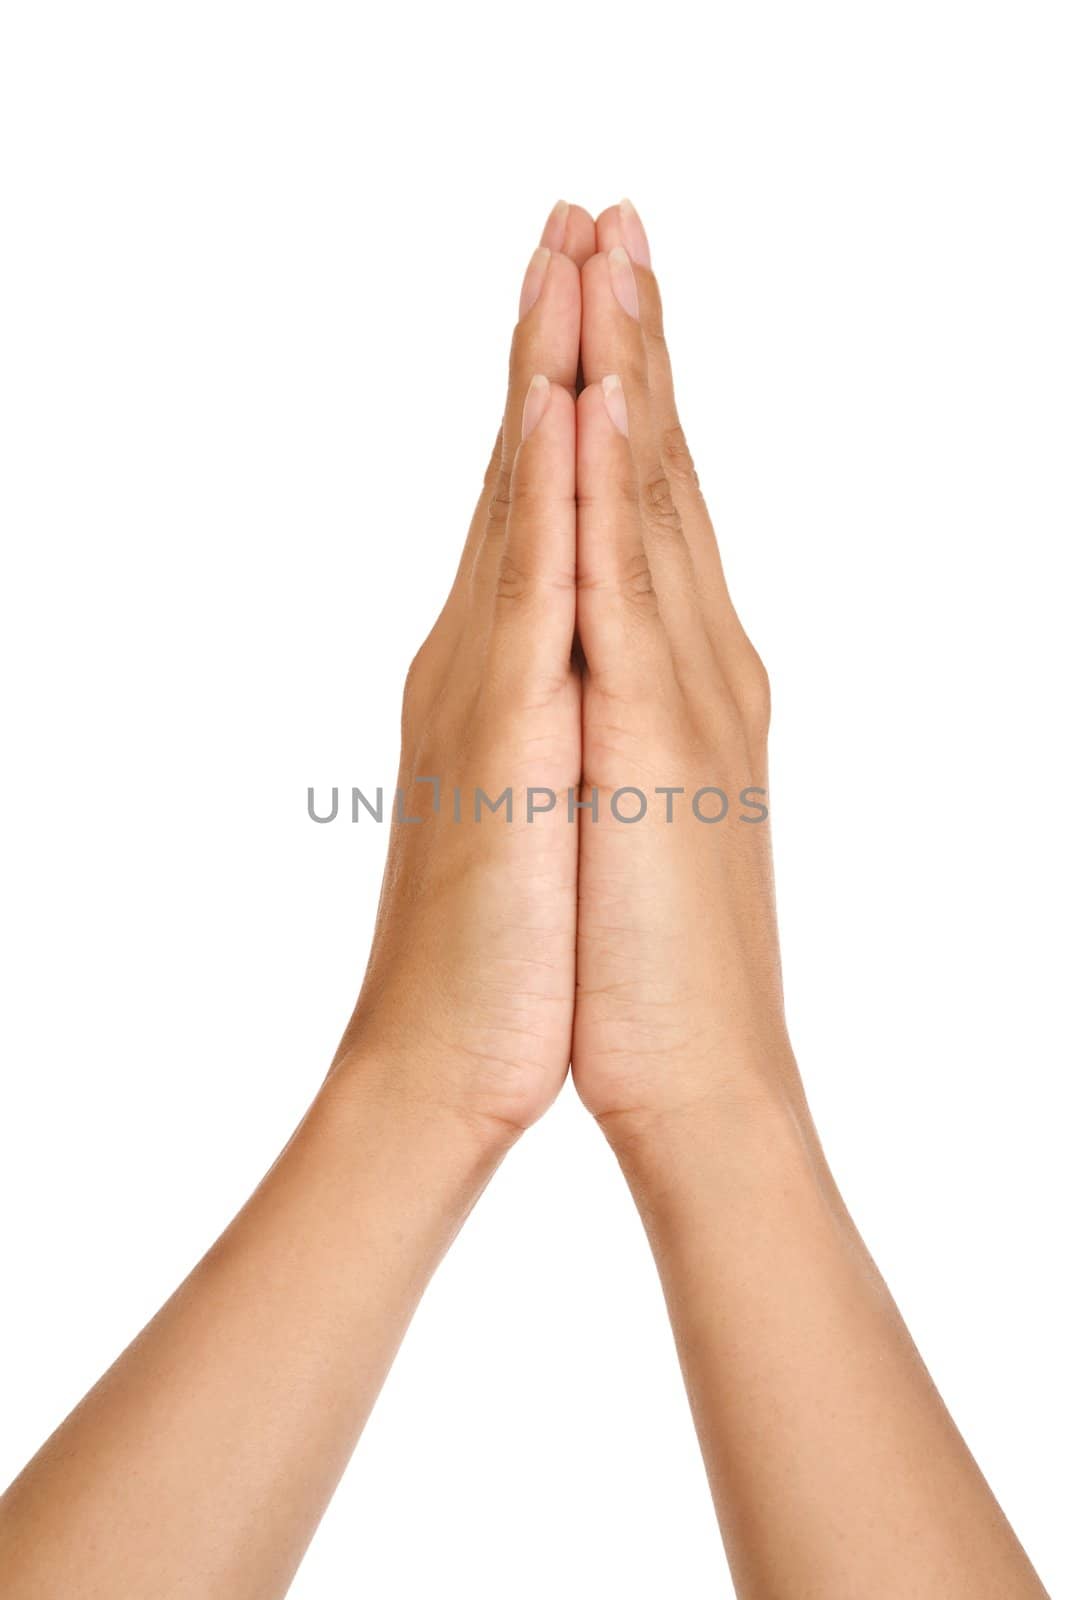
(619, 625)
(545, 343)
(621, 226)
(546, 340)
(569, 232)
(532, 633)
(613, 342)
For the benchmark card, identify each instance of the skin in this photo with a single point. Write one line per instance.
(588, 642)
(835, 1467)
(479, 919)
(202, 1462)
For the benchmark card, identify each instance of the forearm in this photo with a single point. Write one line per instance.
(203, 1460)
(835, 1467)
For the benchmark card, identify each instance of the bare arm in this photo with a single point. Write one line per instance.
(203, 1460)
(201, 1463)
(835, 1467)
(836, 1470)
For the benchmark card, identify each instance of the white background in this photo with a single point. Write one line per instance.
(259, 266)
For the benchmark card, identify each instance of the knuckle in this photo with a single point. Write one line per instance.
(499, 507)
(513, 583)
(657, 495)
(657, 502)
(754, 692)
(677, 455)
(533, 581)
(636, 585)
(411, 702)
(492, 471)
(622, 495)
(653, 306)
(525, 493)
(654, 338)
(627, 580)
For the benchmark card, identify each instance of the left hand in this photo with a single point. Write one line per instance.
(469, 992)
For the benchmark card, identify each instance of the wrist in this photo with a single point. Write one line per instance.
(666, 1101)
(741, 1158)
(759, 1112)
(374, 1090)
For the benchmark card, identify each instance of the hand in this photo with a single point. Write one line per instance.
(469, 992)
(679, 993)
(237, 1407)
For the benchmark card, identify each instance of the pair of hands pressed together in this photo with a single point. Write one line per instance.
(588, 645)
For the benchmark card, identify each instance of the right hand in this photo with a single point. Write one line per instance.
(679, 992)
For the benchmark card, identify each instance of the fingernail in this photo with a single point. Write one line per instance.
(536, 404)
(633, 232)
(534, 280)
(623, 281)
(556, 226)
(615, 403)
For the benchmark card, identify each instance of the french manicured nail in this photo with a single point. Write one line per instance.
(536, 404)
(623, 281)
(615, 403)
(556, 226)
(534, 280)
(633, 232)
